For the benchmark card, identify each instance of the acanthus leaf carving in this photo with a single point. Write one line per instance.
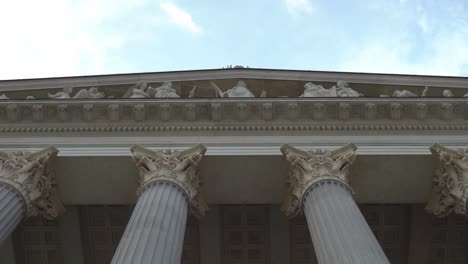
(178, 167)
(450, 182)
(32, 175)
(309, 167)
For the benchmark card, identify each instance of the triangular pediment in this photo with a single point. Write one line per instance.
(273, 83)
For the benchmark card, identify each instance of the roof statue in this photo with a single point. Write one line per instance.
(143, 90)
(92, 92)
(342, 89)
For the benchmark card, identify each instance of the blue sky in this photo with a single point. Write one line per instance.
(83, 37)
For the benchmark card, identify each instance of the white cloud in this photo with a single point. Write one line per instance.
(180, 17)
(60, 37)
(442, 49)
(299, 6)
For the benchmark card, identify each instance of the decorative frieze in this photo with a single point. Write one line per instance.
(293, 111)
(12, 112)
(267, 111)
(309, 167)
(216, 114)
(88, 112)
(177, 167)
(165, 112)
(345, 110)
(260, 110)
(190, 112)
(139, 112)
(421, 111)
(32, 175)
(113, 112)
(37, 112)
(241, 110)
(446, 111)
(62, 112)
(371, 111)
(395, 111)
(319, 111)
(450, 182)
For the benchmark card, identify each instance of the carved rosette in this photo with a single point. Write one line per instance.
(309, 167)
(450, 182)
(178, 167)
(33, 176)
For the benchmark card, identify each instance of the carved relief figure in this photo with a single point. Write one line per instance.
(240, 90)
(447, 93)
(137, 91)
(314, 90)
(143, 90)
(163, 91)
(65, 94)
(92, 92)
(398, 93)
(342, 89)
(406, 93)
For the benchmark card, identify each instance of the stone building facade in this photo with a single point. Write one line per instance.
(234, 166)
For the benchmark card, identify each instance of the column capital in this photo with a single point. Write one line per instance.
(178, 167)
(33, 176)
(449, 182)
(309, 167)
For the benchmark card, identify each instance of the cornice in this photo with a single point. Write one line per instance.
(213, 74)
(258, 126)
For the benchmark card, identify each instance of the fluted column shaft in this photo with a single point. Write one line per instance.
(155, 233)
(339, 232)
(169, 188)
(319, 187)
(12, 210)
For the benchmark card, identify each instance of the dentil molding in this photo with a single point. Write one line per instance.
(309, 167)
(178, 167)
(32, 175)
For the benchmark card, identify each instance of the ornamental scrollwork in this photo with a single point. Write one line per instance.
(449, 182)
(32, 175)
(309, 167)
(178, 167)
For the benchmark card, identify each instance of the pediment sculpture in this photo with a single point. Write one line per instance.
(342, 89)
(406, 93)
(143, 90)
(240, 90)
(91, 93)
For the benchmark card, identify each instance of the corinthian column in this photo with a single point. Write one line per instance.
(169, 188)
(319, 187)
(27, 188)
(450, 182)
